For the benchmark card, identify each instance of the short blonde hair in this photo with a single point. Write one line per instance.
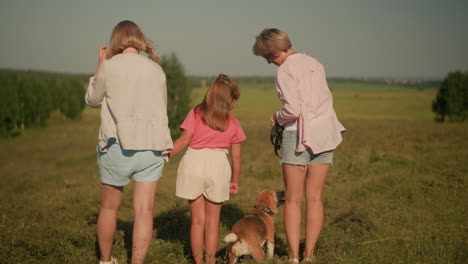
(127, 34)
(215, 107)
(271, 41)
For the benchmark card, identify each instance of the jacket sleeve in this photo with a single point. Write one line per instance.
(287, 89)
(96, 88)
(165, 92)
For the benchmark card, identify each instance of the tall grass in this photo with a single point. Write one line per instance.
(395, 194)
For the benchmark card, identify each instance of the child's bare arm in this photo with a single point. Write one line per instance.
(181, 143)
(236, 150)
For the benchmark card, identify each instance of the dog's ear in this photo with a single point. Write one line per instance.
(273, 201)
(261, 200)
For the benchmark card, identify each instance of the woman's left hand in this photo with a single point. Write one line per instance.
(273, 120)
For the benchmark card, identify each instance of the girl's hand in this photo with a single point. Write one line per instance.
(233, 188)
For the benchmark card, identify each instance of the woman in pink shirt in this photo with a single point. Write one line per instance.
(205, 177)
(311, 133)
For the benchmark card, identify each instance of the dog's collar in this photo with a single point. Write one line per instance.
(264, 209)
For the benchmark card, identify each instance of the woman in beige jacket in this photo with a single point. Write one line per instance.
(311, 133)
(131, 91)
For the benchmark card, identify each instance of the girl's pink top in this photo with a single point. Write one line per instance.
(302, 88)
(204, 136)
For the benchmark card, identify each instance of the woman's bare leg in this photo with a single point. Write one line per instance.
(107, 220)
(293, 177)
(315, 180)
(143, 201)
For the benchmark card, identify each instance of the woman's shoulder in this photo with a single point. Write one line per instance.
(299, 62)
(135, 61)
(300, 59)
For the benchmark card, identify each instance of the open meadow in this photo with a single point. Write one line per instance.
(397, 192)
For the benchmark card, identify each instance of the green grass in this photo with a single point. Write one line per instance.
(396, 192)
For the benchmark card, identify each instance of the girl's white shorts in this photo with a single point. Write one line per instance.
(204, 172)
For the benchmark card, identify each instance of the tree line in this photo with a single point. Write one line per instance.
(29, 98)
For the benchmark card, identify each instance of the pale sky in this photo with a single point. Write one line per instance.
(351, 38)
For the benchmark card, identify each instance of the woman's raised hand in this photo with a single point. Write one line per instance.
(102, 56)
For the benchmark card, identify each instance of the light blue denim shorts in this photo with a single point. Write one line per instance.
(290, 156)
(117, 166)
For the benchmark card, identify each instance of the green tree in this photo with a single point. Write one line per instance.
(178, 92)
(28, 99)
(9, 110)
(72, 100)
(43, 107)
(68, 96)
(452, 99)
(35, 103)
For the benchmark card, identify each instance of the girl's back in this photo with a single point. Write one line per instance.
(203, 136)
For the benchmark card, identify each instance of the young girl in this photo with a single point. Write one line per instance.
(204, 176)
(130, 89)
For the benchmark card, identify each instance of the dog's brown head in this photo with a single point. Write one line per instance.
(269, 199)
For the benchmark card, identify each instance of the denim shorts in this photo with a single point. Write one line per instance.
(290, 156)
(117, 166)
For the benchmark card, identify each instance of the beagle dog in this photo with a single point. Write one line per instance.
(250, 234)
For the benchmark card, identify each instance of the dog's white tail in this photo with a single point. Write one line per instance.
(231, 237)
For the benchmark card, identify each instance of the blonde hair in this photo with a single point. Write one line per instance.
(215, 107)
(127, 34)
(271, 41)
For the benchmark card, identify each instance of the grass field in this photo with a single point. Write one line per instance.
(396, 193)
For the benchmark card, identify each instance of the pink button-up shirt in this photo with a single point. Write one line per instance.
(302, 88)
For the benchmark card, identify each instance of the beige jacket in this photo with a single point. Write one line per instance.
(302, 88)
(131, 91)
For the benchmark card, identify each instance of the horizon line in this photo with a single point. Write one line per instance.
(363, 78)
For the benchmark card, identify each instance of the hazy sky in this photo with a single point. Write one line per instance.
(351, 38)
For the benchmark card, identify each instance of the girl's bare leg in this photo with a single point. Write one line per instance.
(197, 228)
(212, 213)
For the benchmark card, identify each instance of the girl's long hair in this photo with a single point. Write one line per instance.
(127, 34)
(215, 107)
